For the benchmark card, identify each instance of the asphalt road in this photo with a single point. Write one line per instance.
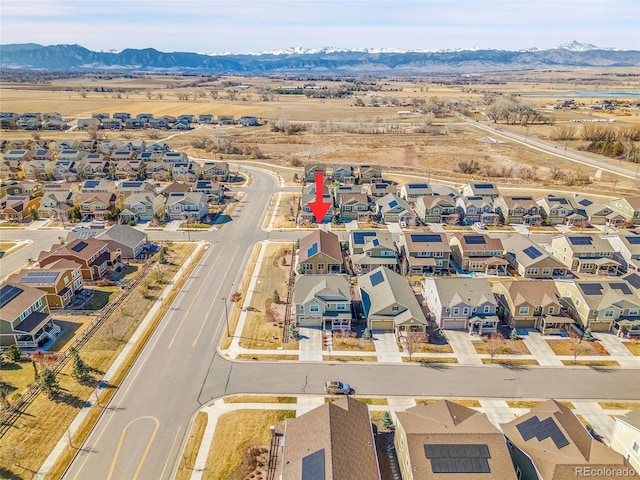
(141, 432)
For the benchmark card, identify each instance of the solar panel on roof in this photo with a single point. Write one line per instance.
(474, 239)
(581, 240)
(131, 184)
(312, 250)
(375, 242)
(418, 185)
(483, 185)
(633, 279)
(458, 458)
(91, 183)
(623, 287)
(393, 203)
(425, 238)
(585, 202)
(521, 198)
(359, 237)
(591, 288)
(8, 293)
(561, 201)
(78, 247)
(39, 277)
(377, 278)
(532, 252)
(547, 428)
(633, 240)
(380, 186)
(313, 466)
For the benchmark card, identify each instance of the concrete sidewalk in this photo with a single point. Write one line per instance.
(541, 350)
(463, 347)
(617, 350)
(386, 347)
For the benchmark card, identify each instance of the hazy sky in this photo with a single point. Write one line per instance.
(241, 26)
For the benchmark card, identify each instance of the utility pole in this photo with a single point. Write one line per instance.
(226, 315)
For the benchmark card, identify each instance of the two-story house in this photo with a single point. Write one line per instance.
(531, 304)
(530, 260)
(393, 209)
(125, 241)
(474, 252)
(411, 192)
(628, 207)
(556, 210)
(98, 206)
(597, 213)
(56, 205)
(354, 206)
(213, 190)
(437, 209)
(585, 254)
(25, 320)
(98, 186)
(217, 171)
(184, 171)
(93, 256)
(311, 169)
(189, 206)
(625, 438)
(627, 250)
(487, 190)
(389, 303)
(309, 196)
(60, 280)
(477, 209)
(130, 187)
(600, 305)
(520, 209)
(16, 208)
(142, 207)
(424, 253)
(369, 174)
(320, 253)
(461, 303)
(369, 252)
(323, 301)
(380, 189)
(343, 174)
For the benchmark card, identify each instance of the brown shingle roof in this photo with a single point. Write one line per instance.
(92, 246)
(327, 243)
(18, 304)
(343, 429)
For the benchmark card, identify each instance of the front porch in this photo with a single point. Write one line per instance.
(553, 324)
(35, 330)
(483, 325)
(597, 266)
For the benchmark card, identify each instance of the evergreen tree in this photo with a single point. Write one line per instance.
(80, 370)
(276, 297)
(13, 353)
(49, 383)
(386, 421)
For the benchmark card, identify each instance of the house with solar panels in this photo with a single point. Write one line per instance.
(487, 190)
(98, 206)
(477, 209)
(393, 209)
(323, 301)
(389, 303)
(424, 253)
(142, 207)
(92, 255)
(514, 209)
(213, 190)
(628, 207)
(461, 303)
(597, 213)
(331, 442)
(413, 191)
(25, 320)
(601, 305)
(474, 252)
(372, 249)
(343, 174)
(530, 259)
(320, 253)
(445, 440)
(60, 280)
(555, 210)
(369, 174)
(127, 188)
(95, 186)
(531, 304)
(437, 209)
(550, 443)
(217, 171)
(585, 254)
(380, 189)
(627, 249)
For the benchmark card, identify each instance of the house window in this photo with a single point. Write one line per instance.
(635, 447)
(546, 271)
(487, 309)
(532, 271)
(455, 311)
(608, 313)
(552, 310)
(523, 311)
(306, 267)
(465, 311)
(341, 306)
(633, 312)
(321, 266)
(314, 308)
(395, 308)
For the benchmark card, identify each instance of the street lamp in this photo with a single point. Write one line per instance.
(226, 315)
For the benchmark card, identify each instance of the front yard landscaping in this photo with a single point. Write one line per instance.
(505, 347)
(591, 363)
(584, 348)
(190, 452)
(633, 346)
(504, 361)
(285, 215)
(349, 358)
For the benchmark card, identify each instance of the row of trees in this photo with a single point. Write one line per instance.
(596, 132)
(514, 112)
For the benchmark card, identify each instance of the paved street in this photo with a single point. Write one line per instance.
(141, 433)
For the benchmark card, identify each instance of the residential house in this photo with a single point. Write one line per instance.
(92, 255)
(184, 172)
(341, 447)
(424, 252)
(556, 210)
(341, 190)
(487, 190)
(343, 174)
(389, 303)
(100, 205)
(550, 443)
(60, 280)
(411, 192)
(248, 121)
(226, 120)
(159, 123)
(461, 303)
(628, 207)
(437, 209)
(597, 213)
(133, 124)
(475, 252)
(25, 320)
(369, 174)
(585, 254)
(158, 171)
(393, 209)
(128, 242)
(17, 208)
(64, 170)
(56, 205)
(445, 440)
(530, 260)
(174, 187)
(531, 304)
(627, 249)
(217, 171)
(309, 196)
(205, 119)
(175, 157)
(355, 206)
(214, 190)
(85, 123)
(98, 186)
(137, 186)
(38, 169)
(477, 210)
(69, 155)
(323, 301)
(380, 189)
(521, 209)
(601, 305)
(19, 156)
(96, 166)
(369, 252)
(123, 156)
(625, 438)
(11, 170)
(320, 253)
(445, 191)
(54, 124)
(142, 207)
(43, 154)
(310, 171)
(190, 206)
(111, 124)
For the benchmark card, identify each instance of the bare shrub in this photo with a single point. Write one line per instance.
(563, 132)
(595, 132)
(469, 167)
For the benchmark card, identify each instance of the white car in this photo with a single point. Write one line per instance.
(480, 226)
(77, 228)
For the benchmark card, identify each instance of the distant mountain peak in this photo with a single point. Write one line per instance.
(575, 46)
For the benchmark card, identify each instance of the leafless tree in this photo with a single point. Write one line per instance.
(412, 342)
(578, 348)
(495, 345)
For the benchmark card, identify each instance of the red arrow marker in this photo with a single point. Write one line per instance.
(319, 208)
